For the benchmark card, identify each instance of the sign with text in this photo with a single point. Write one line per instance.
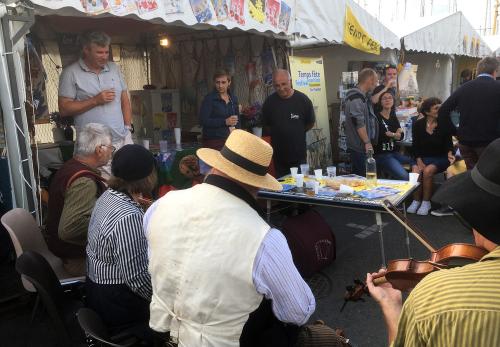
(356, 36)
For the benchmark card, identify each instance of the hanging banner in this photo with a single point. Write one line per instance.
(357, 37)
(308, 76)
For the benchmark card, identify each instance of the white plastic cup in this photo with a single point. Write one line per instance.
(318, 174)
(145, 143)
(294, 171)
(331, 171)
(316, 187)
(177, 133)
(413, 177)
(304, 169)
(299, 180)
(163, 146)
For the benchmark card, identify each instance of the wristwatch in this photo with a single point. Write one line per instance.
(130, 128)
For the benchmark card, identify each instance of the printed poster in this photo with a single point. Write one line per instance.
(272, 12)
(166, 102)
(237, 11)
(145, 6)
(285, 14)
(201, 10)
(257, 9)
(94, 7)
(221, 9)
(356, 36)
(308, 76)
(173, 6)
(268, 65)
(122, 7)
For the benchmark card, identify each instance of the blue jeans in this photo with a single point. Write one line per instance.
(358, 162)
(392, 163)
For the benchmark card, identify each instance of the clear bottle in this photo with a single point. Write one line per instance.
(371, 170)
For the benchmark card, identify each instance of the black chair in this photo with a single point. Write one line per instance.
(60, 308)
(94, 328)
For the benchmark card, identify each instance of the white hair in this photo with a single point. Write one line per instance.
(282, 71)
(90, 136)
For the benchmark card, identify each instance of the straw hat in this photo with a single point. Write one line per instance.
(245, 158)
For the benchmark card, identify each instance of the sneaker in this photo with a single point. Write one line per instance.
(443, 211)
(413, 207)
(424, 209)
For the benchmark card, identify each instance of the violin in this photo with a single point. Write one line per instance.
(405, 274)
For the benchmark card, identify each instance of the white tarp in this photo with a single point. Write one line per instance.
(450, 35)
(274, 16)
(325, 20)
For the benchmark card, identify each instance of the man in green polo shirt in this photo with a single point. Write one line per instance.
(457, 307)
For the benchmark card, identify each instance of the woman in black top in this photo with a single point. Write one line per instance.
(387, 154)
(432, 148)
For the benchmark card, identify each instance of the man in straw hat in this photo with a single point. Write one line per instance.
(213, 258)
(459, 306)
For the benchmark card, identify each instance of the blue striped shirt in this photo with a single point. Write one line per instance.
(276, 277)
(117, 245)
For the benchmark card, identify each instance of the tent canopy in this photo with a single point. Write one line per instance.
(322, 22)
(450, 35)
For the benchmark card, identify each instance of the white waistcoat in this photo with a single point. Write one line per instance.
(203, 243)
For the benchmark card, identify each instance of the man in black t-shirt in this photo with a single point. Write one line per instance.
(287, 115)
(390, 81)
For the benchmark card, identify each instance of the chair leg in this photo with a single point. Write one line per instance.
(35, 308)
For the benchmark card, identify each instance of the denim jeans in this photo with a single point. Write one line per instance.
(358, 162)
(392, 163)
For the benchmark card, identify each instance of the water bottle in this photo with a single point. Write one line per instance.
(371, 170)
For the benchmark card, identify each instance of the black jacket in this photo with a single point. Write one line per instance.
(478, 102)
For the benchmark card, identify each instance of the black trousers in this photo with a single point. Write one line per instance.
(263, 329)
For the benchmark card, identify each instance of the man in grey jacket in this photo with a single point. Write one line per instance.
(361, 125)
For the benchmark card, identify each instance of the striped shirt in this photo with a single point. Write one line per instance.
(276, 277)
(459, 307)
(117, 246)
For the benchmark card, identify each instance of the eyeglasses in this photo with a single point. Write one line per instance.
(113, 148)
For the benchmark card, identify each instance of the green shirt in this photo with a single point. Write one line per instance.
(458, 307)
(79, 201)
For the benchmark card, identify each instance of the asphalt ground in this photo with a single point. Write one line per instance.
(358, 252)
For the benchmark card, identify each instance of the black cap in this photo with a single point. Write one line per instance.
(132, 162)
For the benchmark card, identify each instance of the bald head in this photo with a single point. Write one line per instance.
(282, 82)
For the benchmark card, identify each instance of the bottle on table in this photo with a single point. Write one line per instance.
(371, 170)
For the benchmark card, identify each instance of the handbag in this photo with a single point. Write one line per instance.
(319, 334)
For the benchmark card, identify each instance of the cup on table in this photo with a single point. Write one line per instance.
(316, 187)
(318, 174)
(413, 177)
(145, 143)
(177, 133)
(163, 146)
(331, 171)
(304, 169)
(299, 180)
(294, 171)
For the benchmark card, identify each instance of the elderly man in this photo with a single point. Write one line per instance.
(72, 195)
(213, 258)
(287, 115)
(459, 306)
(92, 90)
(361, 124)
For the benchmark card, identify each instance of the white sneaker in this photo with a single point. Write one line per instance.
(424, 208)
(413, 207)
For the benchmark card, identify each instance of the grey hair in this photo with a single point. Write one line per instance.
(280, 71)
(99, 38)
(90, 136)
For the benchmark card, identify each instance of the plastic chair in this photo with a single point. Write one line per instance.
(94, 327)
(61, 309)
(26, 236)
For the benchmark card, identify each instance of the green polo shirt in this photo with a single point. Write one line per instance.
(459, 307)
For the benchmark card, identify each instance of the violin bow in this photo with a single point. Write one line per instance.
(413, 229)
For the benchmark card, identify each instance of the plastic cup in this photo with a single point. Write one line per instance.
(294, 171)
(177, 133)
(299, 180)
(413, 177)
(304, 169)
(318, 174)
(316, 187)
(145, 143)
(163, 146)
(331, 171)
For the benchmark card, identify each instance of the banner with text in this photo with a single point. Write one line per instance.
(356, 36)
